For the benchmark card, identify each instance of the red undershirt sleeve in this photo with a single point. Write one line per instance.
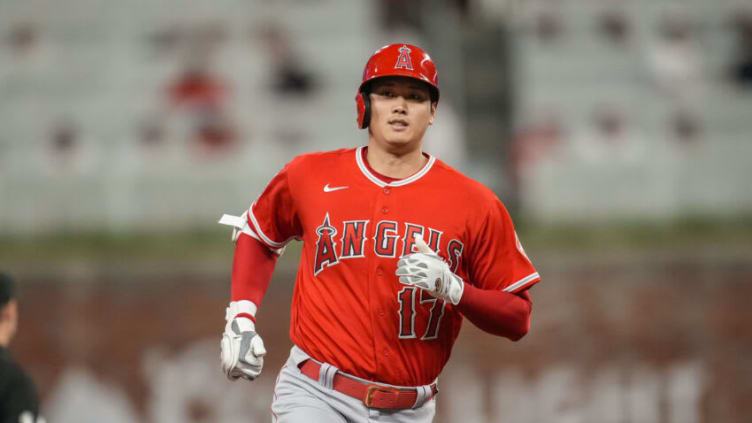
(252, 268)
(497, 312)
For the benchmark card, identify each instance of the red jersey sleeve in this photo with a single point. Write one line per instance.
(252, 269)
(497, 260)
(497, 312)
(273, 216)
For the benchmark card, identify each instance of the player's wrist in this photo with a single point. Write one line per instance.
(455, 288)
(241, 308)
(246, 316)
(241, 316)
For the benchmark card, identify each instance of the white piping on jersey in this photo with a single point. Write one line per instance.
(261, 233)
(379, 182)
(240, 225)
(522, 282)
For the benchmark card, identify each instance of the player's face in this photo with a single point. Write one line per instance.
(10, 316)
(401, 111)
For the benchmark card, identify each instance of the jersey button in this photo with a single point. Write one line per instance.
(379, 271)
(386, 352)
(385, 210)
(387, 190)
(381, 313)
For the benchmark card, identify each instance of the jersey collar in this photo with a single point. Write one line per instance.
(373, 178)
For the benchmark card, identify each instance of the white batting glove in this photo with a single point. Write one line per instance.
(242, 349)
(429, 272)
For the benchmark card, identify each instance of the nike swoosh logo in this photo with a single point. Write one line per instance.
(327, 188)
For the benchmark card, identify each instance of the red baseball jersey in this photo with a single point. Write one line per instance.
(349, 308)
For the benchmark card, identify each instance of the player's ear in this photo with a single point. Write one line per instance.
(433, 112)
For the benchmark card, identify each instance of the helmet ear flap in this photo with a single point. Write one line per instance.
(363, 104)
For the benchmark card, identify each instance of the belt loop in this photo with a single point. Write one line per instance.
(423, 394)
(326, 375)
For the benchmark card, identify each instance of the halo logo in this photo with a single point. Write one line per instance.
(404, 61)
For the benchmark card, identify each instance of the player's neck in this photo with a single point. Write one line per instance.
(395, 165)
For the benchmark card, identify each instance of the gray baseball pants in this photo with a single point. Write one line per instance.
(300, 399)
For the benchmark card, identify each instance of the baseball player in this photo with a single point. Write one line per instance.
(398, 248)
(19, 400)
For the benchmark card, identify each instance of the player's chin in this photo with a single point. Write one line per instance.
(400, 138)
(399, 143)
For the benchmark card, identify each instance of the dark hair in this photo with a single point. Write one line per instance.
(7, 289)
(433, 92)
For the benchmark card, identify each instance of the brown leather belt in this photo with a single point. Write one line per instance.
(372, 395)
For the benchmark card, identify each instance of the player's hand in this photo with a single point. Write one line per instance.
(426, 270)
(242, 349)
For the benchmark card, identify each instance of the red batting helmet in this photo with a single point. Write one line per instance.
(395, 60)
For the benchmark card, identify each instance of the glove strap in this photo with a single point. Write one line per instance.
(455, 289)
(242, 308)
(247, 316)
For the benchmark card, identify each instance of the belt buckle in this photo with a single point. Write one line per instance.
(376, 388)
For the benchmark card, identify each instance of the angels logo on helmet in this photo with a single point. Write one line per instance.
(403, 61)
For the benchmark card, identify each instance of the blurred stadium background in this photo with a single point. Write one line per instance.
(618, 133)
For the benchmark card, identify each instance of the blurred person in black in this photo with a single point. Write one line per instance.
(19, 402)
(741, 65)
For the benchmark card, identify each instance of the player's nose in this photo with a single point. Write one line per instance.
(400, 105)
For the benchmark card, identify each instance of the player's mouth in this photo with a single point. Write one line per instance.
(398, 124)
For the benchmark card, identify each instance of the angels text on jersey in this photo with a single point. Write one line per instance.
(387, 239)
